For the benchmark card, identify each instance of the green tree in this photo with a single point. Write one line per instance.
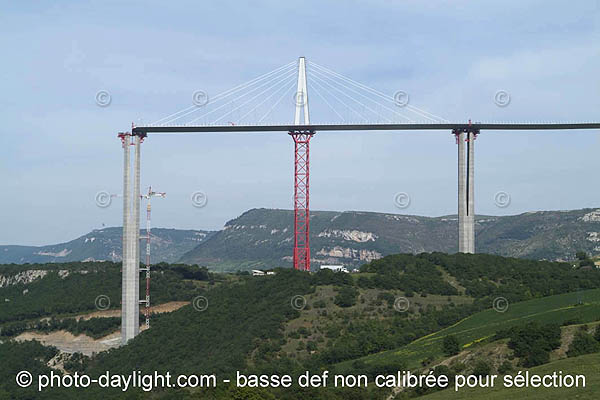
(346, 296)
(450, 345)
(482, 368)
(583, 343)
(534, 342)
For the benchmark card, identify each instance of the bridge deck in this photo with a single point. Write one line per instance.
(366, 127)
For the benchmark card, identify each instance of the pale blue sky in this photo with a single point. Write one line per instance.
(58, 148)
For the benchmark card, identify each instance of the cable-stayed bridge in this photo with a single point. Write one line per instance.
(266, 104)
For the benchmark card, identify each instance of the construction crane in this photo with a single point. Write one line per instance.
(148, 196)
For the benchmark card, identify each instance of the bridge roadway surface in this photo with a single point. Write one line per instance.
(368, 127)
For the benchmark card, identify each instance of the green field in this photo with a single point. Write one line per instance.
(588, 365)
(583, 306)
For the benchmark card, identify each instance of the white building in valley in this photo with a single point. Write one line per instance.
(335, 268)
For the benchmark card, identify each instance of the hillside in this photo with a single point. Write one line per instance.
(482, 326)
(41, 290)
(338, 321)
(105, 245)
(587, 365)
(263, 238)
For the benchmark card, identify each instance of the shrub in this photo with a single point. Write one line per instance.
(482, 368)
(533, 342)
(346, 296)
(450, 345)
(583, 343)
(505, 368)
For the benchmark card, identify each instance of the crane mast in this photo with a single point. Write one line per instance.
(148, 196)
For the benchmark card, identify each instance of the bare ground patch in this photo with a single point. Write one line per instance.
(66, 342)
(158, 309)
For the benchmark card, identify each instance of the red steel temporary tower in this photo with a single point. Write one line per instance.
(301, 174)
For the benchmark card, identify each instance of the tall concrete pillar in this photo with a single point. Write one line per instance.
(471, 192)
(136, 230)
(462, 194)
(466, 190)
(130, 301)
(125, 334)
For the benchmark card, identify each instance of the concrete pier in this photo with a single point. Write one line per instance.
(130, 303)
(135, 227)
(462, 193)
(470, 219)
(466, 190)
(125, 334)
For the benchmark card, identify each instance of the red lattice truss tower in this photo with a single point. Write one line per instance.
(301, 199)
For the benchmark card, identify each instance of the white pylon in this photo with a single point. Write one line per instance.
(301, 94)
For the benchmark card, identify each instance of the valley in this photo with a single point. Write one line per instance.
(397, 313)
